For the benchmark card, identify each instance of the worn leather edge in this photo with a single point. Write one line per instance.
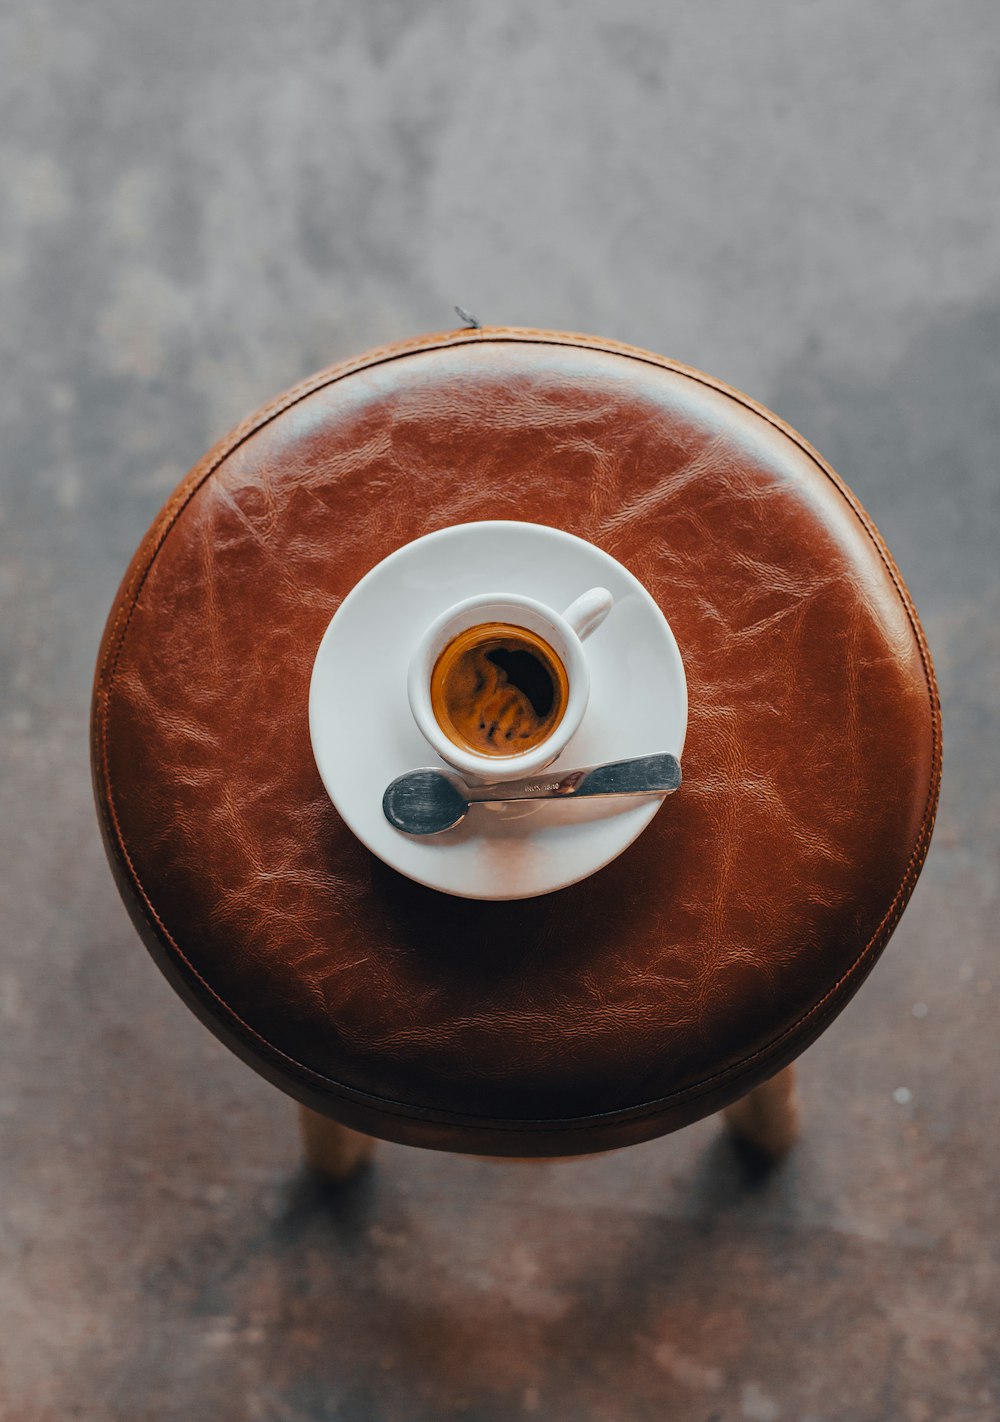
(401, 1121)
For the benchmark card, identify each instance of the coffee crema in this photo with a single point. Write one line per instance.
(498, 690)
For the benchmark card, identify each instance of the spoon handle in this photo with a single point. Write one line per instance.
(644, 775)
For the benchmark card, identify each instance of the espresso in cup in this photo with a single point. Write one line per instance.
(498, 684)
(498, 689)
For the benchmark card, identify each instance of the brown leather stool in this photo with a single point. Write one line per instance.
(680, 978)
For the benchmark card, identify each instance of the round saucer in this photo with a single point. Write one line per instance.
(363, 734)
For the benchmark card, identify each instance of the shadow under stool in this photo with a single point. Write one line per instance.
(683, 978)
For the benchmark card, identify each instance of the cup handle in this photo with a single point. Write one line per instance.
(589, 611)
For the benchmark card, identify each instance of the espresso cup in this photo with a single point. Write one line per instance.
(506, 716)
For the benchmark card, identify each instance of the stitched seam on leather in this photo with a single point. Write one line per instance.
(256, 421)
(311, 384)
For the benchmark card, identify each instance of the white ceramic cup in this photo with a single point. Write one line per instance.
(565, 633)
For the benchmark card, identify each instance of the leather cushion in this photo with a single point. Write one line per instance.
(706, 957)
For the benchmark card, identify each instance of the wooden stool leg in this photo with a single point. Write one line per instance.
(767, 1118)
(332, 1151)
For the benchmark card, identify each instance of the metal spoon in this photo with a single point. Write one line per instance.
(430, 801)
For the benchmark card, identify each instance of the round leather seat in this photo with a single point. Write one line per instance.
(716, 948)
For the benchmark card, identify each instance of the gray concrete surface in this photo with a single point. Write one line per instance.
(202, 202)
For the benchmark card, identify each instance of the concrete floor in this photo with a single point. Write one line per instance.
(203, 202)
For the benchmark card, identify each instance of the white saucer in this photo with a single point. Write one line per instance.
(363, 734)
